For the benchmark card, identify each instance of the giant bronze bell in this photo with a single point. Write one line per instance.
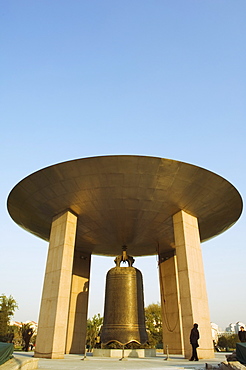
(124, 319)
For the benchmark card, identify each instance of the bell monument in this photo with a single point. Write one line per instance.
(96, 205)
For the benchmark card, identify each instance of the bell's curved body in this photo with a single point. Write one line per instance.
(124, 319)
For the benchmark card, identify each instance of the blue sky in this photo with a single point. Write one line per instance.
(159, 78)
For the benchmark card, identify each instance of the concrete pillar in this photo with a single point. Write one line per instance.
(53, 317)
(192, 286)
(77, 320)
(170, 304)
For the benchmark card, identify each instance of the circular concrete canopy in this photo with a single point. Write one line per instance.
(124, 200)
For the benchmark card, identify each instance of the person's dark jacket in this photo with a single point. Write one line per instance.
(194, 336)
(242, 335)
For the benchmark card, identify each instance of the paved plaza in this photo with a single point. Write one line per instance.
(77, 362)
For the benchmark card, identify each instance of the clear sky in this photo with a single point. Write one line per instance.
(164, 78)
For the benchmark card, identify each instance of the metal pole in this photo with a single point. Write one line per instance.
(123, 353)
(84, 357)
(167, 358)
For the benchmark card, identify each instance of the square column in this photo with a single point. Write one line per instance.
(77, 319)
(192, 286)
(170, 304)
(53, 317)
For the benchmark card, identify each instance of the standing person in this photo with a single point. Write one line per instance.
(242, 334)
(26, 337)
(194, 336)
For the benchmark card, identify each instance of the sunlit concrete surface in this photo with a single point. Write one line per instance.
(20, 361)
(76, 362)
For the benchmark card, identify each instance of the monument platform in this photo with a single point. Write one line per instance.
(118, 353)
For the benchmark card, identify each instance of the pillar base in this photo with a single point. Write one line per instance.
(205, 353)
(52, 356)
